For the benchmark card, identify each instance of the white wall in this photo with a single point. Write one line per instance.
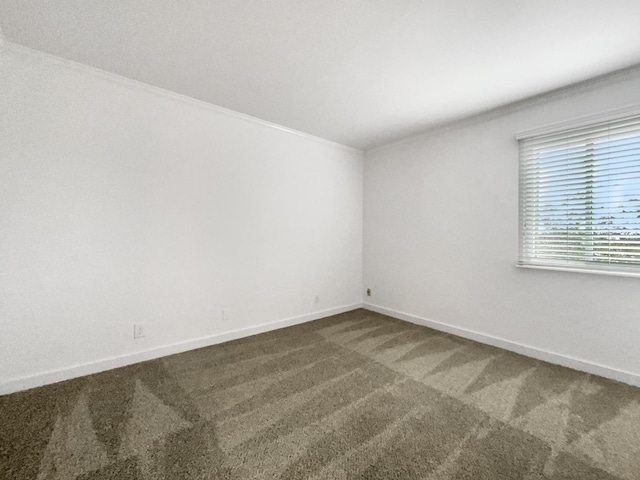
(441, 241)
(120, 203)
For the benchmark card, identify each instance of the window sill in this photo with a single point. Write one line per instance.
(596, 271)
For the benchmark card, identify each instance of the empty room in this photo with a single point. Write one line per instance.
(320, 239)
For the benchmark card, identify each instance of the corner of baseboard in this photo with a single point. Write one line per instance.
(89, 368)
(563, 360)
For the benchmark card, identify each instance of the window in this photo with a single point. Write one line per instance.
(580, 197)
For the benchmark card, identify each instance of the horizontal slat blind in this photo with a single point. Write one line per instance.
(580, 197)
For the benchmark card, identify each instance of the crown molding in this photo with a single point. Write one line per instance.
(555, 94)
(129, 82)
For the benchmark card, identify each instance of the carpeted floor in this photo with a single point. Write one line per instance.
(357, 395)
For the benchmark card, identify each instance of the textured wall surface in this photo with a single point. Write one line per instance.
(441, 238)
(123, 204)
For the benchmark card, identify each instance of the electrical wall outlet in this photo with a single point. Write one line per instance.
(316, 299)
(139, 330)
(368, 292)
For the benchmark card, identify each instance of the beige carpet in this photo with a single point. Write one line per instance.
(357, 396)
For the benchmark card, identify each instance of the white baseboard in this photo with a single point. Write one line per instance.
(533, 352)
(54, 376)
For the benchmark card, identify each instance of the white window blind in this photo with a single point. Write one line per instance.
(580, 197)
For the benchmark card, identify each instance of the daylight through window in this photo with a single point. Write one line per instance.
(580, 197)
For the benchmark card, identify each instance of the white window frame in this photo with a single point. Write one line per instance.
(557, 128)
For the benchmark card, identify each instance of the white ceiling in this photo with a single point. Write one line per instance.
(359, 72)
